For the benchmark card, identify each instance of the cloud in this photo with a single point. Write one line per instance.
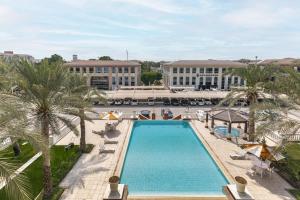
(7, 15)
(258, 16)
(158, 5)
(76, 33)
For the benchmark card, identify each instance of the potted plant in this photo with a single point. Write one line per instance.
(240, 183)
(114, 182)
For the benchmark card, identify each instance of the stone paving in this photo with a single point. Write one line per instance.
(267, 188)
(88, 178)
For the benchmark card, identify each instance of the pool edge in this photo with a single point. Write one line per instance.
(121, 160)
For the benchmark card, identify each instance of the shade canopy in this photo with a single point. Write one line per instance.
(263, 151)
(230, 116)
(110, 116)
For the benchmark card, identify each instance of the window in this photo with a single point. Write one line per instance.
(215, 81)
(126, 80)
(187, 80)
(105, 70)
(132, 69)
(84, 70)
(181, 70)
(201, 81)
(174, 80)
(194, 70)
(98, 70)
(77, 70)
(242, 82)
(236, 80)
(71, 69)
(193, 80)
(223, 82)
(175, 70)
(91, 69)
(209, 70)
(120, 81)
(201, 70)
(132, 80)
(114, 70)
(126, 70)
(114, 80)
(120, 69)
(216, 70)
(187, 70)
(180, 80)
(223, 70)
(229, 80)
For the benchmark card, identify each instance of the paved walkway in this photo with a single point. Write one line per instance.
(89, 177)
(266, 188)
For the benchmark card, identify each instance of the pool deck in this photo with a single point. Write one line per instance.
(266, 188)
(89, 177)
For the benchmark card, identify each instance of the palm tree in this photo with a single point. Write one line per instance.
(255, 77)
(13, 125)
(43, 98)
(288, 94)
(82, 97)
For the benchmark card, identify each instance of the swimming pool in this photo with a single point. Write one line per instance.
(223, 130)
(167, 158)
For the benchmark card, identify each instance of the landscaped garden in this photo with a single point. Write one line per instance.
(290, 167)
(62, 161)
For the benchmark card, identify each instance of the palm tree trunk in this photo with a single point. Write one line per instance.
(82, 131)
(251, 124)
(47, 178)
(16, 148)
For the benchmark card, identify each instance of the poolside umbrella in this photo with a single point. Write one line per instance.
(263, 151)
(110, 116)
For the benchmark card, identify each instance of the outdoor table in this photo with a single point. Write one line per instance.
(262, 166)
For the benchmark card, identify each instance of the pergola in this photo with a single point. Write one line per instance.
(230, 116)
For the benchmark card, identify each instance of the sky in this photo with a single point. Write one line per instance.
(152, 29)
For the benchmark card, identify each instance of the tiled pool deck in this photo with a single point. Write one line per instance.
(89, 177)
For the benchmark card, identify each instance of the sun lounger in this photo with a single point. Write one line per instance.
(101, 133)
(238, 155)
(109, 141)
(105, 150)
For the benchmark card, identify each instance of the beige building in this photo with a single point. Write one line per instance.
(11, 56)
(107, 75)
(284, 62)
(201, 74)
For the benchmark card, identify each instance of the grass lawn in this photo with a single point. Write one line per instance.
(61, 163)
(296, 193)
(290, 167)
(27, 152)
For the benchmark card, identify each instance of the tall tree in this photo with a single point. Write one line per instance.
(55, 58)
(44, 99)
(256, 78)
(150, 77)
(82, 96)
(105, 58)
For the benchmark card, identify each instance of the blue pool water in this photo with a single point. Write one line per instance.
(167, 158)
(223, 130)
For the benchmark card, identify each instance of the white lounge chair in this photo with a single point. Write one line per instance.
(242, 155)
(109, 141)
(105, 150)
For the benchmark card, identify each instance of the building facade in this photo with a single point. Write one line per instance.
(10, 56)
(201, 74)
(107, 75)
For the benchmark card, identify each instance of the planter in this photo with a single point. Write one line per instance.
(114, 182)
(240, 183)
